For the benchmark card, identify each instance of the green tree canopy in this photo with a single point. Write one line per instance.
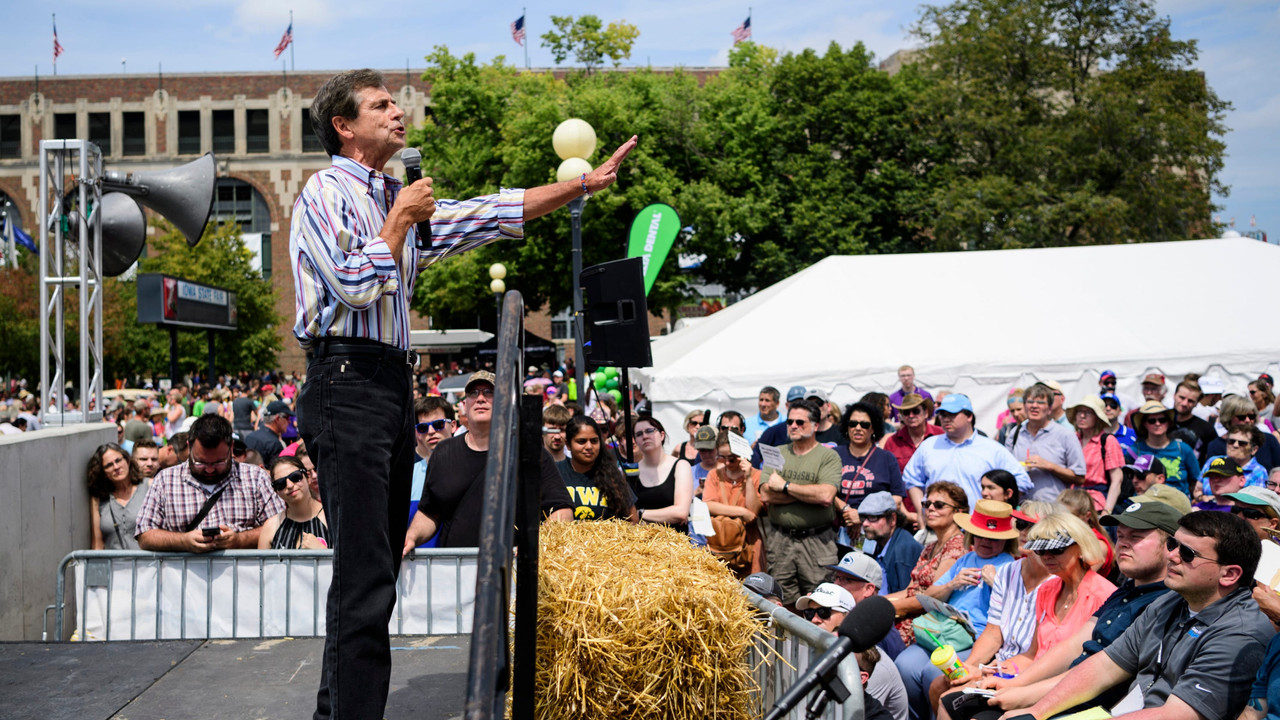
(588, 41)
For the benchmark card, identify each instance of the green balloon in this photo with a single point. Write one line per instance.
(616, 395)
(611, 383)
(610, 372)
(599, 380)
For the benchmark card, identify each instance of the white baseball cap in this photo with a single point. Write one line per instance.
(827, 595)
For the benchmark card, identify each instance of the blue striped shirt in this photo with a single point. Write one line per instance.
(346, 283)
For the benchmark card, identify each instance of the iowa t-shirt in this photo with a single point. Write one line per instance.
(589, 500)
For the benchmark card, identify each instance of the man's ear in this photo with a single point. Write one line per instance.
(343, 127)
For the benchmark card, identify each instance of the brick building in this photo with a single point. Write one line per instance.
(256, 124)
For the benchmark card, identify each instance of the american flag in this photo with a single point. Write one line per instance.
(285, 40)
(517, 31)
(742, 32)
(57, 46)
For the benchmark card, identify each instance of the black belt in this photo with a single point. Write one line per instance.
(798, 533)
(360, 347)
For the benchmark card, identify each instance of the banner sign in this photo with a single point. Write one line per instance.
(167, 300)
(652, 233)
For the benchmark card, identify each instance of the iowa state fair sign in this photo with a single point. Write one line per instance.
(167, 300)
(652, 234)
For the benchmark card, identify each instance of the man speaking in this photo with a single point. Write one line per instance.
(355, 257)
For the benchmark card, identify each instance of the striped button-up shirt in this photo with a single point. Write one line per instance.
(346, 283)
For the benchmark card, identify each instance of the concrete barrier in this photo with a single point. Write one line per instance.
(44, 514)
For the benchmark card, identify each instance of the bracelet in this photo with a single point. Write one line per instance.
(585, 191)
(640, 514)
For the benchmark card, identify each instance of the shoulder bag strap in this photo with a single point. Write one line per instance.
(204, 510)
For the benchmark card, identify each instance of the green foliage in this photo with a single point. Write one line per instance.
(221, 260)
(1073, 121)
(588, 40)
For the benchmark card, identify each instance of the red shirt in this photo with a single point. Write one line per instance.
(900, 445)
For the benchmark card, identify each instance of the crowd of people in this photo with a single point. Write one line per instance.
(1044, 556)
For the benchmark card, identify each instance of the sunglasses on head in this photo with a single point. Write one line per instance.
(297, 476)
(864, 424)
(937, 504)
(1185, 553)
(822, 612)
(1248, 513)
(436, 425)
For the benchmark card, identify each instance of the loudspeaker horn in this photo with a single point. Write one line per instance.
(124, 231)
(183, 194)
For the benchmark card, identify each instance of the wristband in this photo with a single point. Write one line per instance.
(585, 191)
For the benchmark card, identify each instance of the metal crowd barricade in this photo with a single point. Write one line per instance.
(140, 595)
(784, 652)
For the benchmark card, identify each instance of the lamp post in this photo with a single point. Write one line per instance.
(574, 140)
(497, 272)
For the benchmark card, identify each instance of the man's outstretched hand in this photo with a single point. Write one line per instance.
(605, 175)
(542, 200)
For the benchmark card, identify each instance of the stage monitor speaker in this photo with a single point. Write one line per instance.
(183, 194)
(615, 315)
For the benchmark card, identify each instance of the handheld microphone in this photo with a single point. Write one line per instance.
(412, 160)
(865, 625)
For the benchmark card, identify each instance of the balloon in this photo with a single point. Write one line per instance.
(611, 372)
(599, 380)
(611, 383)
(616, 395)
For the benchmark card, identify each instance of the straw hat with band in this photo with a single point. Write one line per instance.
(911, 400)
(990, 519)
(1090, 402)
(1151, 407)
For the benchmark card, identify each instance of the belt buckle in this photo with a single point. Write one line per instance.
(411, 357)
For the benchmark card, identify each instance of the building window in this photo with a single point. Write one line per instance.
(100, 131)
(224, 131)
(64, 126)
(310, 141)
(257, 131)
(134, 133)
(188, 132)
(562, 325)
(10, 136)
(238, 202)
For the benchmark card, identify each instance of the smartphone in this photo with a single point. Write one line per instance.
(211, 532)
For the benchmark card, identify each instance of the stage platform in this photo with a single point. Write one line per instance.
(196, 680)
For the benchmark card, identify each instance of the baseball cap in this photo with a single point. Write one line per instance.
(1212, 385)
(1106, 374)
(705, 438)
(279, 407)
(1259, 497)
(533, 370)
(877, 503)
(1053, 385)
(954, 403)
(1110, 396)
(1153, 379)
(827, 595)
(557, 373)
(1146, 515)
(1223, 466)
(1169, 496)
(816, 393)
(763, 584)
(795, 392)
(1145, 464)
(859, 566)
(480, 376)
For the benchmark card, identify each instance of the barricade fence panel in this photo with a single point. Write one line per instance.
(138, 595)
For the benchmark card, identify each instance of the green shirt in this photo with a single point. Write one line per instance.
(819, 466)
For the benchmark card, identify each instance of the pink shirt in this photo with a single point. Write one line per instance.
(1050, 630)
(1096, 465)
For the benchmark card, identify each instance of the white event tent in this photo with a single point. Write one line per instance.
(981, 323)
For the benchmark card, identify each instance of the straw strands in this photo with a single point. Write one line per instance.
(634, 622)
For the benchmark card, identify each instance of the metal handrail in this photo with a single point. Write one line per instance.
(775, 677)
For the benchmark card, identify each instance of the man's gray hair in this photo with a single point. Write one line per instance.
(338, 98)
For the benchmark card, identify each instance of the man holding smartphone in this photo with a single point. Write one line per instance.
(210, 502)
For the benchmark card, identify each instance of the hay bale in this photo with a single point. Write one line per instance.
(634, 622)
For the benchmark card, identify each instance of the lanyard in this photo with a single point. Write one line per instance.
(858, 472)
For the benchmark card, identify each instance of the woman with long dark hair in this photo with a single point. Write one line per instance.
(302, 524)
(664, 485)
(596, 485)
(116, 491)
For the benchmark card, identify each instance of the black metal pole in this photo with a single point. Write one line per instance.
(529, 500)
(173, 355)
(210, 374)
(579, 363)
(626, 413)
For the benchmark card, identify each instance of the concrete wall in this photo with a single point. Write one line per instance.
(44, 514)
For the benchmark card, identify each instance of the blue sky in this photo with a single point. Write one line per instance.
(1238, 49)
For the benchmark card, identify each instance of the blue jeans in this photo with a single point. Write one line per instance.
(918, 672)
(355, 414)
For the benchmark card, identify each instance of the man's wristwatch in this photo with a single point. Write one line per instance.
(786, 487)
(640, 514)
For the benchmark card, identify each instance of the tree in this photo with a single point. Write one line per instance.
(1074, 121)
(587, 42)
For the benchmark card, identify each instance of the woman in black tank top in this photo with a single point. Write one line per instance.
(302, 525)
(664, 487)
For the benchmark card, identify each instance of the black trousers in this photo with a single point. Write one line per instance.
(356, 417)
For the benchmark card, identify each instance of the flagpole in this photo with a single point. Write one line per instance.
(292, 66)
(524, 13)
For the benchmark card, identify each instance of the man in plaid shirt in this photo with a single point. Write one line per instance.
(245, 498)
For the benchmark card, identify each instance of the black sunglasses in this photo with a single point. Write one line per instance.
(436, 425)
(1247, 416)
(1248, 513)
(297, 476)
(1055, 552)
(822, 612)
(911, 411)
(938, 505)
(1023, 524)
(799, 421)
(864, 424)
(1186, 554)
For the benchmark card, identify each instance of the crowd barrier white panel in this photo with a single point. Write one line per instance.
(136, 597)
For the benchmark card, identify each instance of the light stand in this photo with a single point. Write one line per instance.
(579, 361)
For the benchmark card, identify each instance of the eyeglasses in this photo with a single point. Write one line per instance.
(1037, 401)
(437, 425)
(1055, 552)
(210, 465)
(938, 505)
(728, 428)
(1157, 420)
(1248, 513)
(822, 612)
(911, 411)
(696, 423)
(1185, 553)
(297, 476)
(1023, 524)
(727, 458)
(552, 430)
(864, 424)
(1238, 443)
(873, 518)
(797, 422)
(1251, 417)
(647, 431)
(476, 392)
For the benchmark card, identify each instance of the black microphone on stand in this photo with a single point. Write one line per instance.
(412, 160)
(865, 625)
